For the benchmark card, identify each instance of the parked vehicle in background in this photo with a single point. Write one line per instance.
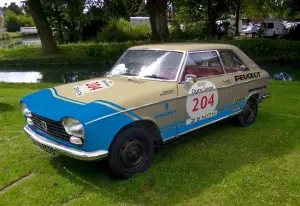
(294, 32)
(272, 28)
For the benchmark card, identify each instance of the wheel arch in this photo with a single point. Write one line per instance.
(147, 124)
(254, 95)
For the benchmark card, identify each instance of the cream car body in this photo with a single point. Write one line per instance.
(165, 108)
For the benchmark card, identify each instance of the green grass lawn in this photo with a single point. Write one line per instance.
(221, 165)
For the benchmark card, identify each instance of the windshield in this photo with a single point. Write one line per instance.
(155, 64)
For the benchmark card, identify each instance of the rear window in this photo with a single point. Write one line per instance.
(270, 25)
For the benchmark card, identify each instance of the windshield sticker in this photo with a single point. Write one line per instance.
(93, 86)
(202, 101)
(247, 76)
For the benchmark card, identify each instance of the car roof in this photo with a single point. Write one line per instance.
(184, 46)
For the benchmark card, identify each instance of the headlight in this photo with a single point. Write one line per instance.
(25, 110)
(73, 127)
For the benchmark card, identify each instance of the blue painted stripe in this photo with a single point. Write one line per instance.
(230, 105)
(107, 102)
(183, 121)
(66, 97)
(173, 124)
(121, 108)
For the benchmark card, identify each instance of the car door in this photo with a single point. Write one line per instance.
(270, 29)
(208, 97)
(243, 77)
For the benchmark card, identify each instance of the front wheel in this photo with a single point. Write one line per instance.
(248, 116)
(131, 153)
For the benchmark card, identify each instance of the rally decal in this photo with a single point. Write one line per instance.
(257, 88)
(93, 86)
(201, 102)
(239, 99)
(247, 76)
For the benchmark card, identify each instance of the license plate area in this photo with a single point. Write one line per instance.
(45, 148)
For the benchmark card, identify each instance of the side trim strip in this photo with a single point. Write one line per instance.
(121, 108)
(202, 126)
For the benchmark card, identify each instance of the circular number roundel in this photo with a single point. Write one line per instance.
(202, 99)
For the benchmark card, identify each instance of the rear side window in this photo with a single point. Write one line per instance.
(270, 25)
(203, 64)
(231, 62)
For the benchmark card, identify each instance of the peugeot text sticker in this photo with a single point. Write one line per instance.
(93, 86)
(202, 101)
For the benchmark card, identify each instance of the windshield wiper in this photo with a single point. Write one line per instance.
(128, 74)
(155, 76)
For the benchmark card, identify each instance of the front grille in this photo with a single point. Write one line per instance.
(54, 128)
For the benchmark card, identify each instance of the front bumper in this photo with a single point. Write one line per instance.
(63, 150)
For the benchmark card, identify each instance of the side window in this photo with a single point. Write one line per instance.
(231, 62)
(270, 25)
(203, 64)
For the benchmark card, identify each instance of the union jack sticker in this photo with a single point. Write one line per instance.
(93, 86)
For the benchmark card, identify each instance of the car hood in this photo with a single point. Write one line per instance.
(100, 96)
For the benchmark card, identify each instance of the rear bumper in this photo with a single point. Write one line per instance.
(63, 150)
(264, 97)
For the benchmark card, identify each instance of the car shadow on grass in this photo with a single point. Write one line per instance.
(6, 107)
(182, 171)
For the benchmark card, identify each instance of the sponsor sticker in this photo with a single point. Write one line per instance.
(247, 76)
(166, 113)
(257, 88)
(239, 99)
(167, 92)
(202, 101)
(236, 109)
(93, 86)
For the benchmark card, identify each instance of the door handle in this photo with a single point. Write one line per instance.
(226, 80)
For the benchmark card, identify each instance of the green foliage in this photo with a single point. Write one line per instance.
(142, 11)
(191, 31)
(13, 22)
(15, 8)
(9, 35)
(120, 30)
(88, 53)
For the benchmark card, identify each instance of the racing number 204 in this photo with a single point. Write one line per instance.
(203, 102)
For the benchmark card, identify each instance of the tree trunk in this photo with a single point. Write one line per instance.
(58, 18)
(210, 18)
(158, 19)
(237, 17)
(42, 25)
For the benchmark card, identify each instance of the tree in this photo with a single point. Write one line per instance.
(15, 8)
(142, 11)
(237, 16)
(158, 19)
(44, 31)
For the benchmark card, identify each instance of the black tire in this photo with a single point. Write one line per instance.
(131, 152)
(249, 114)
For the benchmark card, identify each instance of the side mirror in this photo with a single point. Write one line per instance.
(188, 79)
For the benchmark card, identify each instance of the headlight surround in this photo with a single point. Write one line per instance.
(73, 127)
(25, 110)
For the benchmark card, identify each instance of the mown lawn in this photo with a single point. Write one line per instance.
(221, 165)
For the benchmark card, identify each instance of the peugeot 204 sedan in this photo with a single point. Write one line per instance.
(152, 95)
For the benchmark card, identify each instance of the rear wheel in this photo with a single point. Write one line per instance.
(131, 153)
(248, 116)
